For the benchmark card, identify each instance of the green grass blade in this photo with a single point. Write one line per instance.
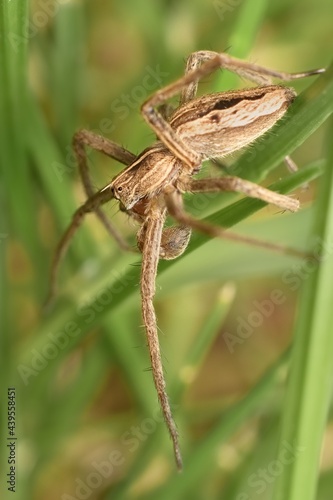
(13, 121)
(17, 220)
(68, 313)
(182, 379)
(55, 174)
(128, 347)
(203, 341)
(311, 373)
(50, 165)
(249, 18)
(203, 458)
(325, 486)
(67, 56)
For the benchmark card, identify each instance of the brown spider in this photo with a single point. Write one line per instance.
(152, 184)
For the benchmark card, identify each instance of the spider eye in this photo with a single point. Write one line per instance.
(116, 190)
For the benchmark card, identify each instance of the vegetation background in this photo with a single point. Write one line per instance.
(88, 423)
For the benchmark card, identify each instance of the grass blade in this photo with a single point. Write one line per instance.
(311, 373)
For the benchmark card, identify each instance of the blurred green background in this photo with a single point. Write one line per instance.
(87, 415)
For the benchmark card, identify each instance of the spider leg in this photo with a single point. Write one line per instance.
(150, 256)
(246, 187)
(90, 205)
(188, 83)
(253, 72)
(175, 208)
(81, 139)
(84, 138)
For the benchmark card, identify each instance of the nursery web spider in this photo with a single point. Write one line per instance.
(152, 184)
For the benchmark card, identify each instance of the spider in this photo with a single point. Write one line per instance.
(153, 183)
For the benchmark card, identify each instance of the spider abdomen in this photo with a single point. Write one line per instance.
(218, 124)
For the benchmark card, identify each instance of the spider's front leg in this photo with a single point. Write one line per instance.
(162, 128)
(150, 239)
(82, 139)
